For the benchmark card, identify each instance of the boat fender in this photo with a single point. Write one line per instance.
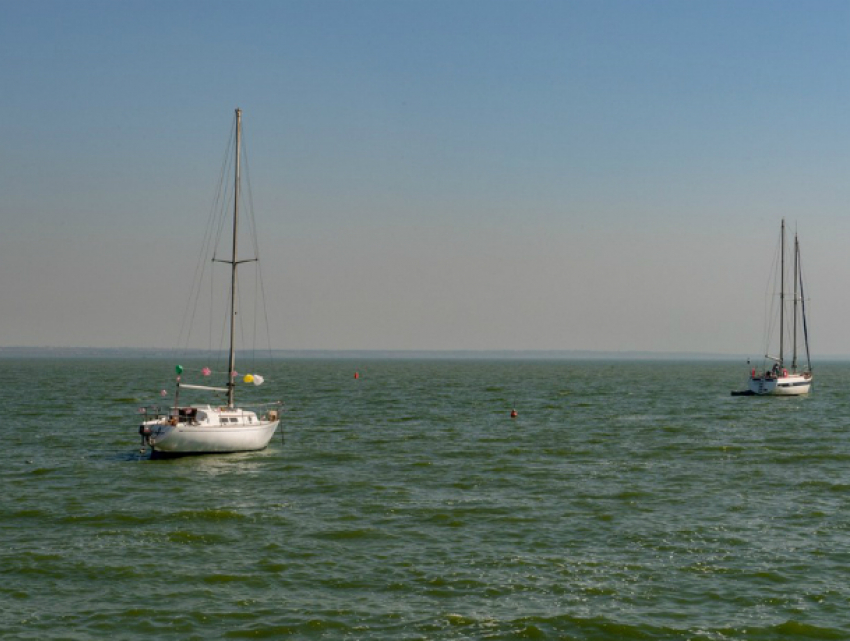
(784, 372)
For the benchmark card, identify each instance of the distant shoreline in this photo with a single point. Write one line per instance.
(330, 354)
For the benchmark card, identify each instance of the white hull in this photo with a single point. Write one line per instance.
(788, 385)
(209, 430)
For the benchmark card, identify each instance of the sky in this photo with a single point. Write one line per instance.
(429, 175)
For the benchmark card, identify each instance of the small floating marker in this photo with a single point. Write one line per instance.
(356, 375)
(513, 414)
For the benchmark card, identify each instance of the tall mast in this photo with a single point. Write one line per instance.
(231, 361)
(796, 299)
(803, 313)
(781, 292)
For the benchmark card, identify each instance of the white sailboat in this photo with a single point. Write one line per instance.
(212, 428)
(783, 378)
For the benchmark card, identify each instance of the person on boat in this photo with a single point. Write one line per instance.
(188, 413)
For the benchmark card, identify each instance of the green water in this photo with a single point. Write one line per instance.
(628, 500)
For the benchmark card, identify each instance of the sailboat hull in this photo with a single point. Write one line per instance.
(207, 430)
(209, 440)
(789, 385)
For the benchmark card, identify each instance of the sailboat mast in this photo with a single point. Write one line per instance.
(803, 313)
(231, 361)
(781, 293)
(796, 299)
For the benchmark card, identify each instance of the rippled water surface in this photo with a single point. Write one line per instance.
(628, 500)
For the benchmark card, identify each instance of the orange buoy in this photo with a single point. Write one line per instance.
(356, 375)
(513, 414)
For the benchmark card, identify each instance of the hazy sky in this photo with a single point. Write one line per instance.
(463, 174)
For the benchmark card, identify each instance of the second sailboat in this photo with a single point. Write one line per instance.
(783, 378)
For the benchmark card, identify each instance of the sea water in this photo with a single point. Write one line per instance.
(627, 500)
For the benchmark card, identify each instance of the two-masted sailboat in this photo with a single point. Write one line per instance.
(208, 428)
(783, 378)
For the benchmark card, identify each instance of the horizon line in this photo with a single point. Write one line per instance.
(66, 352)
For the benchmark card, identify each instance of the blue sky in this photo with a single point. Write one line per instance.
(605, 175)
